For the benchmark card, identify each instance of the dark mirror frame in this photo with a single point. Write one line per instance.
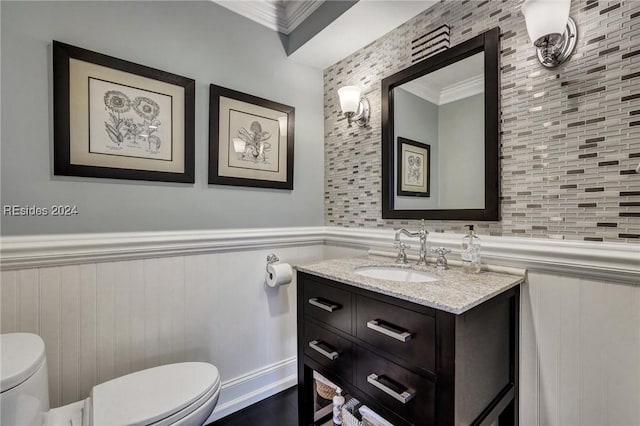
(489, 42)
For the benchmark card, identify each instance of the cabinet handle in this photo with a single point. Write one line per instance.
(403, 336)
(314, 344)
(325, 305)
(403, 397)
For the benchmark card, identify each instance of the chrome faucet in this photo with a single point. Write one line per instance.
(402, 254)
(422, 234)
(441, 261)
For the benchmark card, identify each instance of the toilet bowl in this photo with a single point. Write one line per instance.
(181, 394)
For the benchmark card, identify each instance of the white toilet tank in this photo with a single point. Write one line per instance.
(24, 396)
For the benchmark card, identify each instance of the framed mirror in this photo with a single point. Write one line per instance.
(440, 135)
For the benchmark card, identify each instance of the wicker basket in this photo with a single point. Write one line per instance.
(324, 390)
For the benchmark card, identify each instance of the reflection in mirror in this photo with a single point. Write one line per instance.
(440, 135)
(438, 138)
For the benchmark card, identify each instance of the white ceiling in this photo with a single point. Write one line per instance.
(457, 81)
(363, 23)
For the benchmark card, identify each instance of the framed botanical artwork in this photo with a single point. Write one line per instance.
(414, 164)
(117, 119)
(250, 140)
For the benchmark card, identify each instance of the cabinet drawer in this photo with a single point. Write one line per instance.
(329, 350)
(402, 391)
(398, 331)
(328, 304)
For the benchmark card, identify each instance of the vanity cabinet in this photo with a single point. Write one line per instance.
(413, 364)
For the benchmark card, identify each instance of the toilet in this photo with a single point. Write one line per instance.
(176, 394)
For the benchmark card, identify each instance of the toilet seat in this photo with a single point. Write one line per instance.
(160, 396)
(182, 394)
(196, 413)
(145, 405)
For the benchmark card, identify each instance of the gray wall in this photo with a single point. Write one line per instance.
(461, 125)
(200, 40)
(416, 119)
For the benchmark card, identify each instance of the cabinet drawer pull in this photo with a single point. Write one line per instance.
(387, 330)
(324, 304)
(330, 353)
(405, 396)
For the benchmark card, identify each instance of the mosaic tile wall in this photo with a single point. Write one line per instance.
(570, 136)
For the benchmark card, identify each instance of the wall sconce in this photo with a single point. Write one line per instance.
(353, 105)
(551, 30)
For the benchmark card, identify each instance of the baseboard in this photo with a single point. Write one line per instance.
(255, 386)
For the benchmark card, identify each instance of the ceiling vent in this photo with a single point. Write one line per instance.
(430, 43)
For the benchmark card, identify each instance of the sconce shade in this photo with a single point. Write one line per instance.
(551, 29)
(545, 18)
(349, 98)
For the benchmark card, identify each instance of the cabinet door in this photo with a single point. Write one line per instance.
(328, 304)
(329, 350)
(398, 331)
(402, 391)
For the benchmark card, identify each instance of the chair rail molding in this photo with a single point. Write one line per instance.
(610, 261)
(21, 252)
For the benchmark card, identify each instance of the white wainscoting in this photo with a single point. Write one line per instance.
(107, 305)
(580, 352)
(102, 320)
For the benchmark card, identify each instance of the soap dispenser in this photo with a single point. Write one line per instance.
(471, 252)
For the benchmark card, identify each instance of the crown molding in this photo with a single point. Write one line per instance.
(423, 90)
(440, 96)
(463, 89)
(297, 11)
(278, 15)
(264, 13)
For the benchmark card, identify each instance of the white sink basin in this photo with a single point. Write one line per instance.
(396, 274)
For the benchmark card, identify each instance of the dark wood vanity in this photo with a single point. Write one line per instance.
(413, 364)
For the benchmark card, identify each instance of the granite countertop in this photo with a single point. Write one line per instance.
(456, 292)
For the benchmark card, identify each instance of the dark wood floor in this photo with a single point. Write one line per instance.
(279, 410)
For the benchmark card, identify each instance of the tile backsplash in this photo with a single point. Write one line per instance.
(570, 135)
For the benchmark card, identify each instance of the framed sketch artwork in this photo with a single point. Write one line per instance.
(250, 140)
(413, 168)
(117, 119)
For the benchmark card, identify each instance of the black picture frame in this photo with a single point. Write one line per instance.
(181, 147)
(221, 126)
(422, 168)
(488, 43)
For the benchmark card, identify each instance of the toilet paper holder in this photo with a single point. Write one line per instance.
(277, 273)
(272, 258)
